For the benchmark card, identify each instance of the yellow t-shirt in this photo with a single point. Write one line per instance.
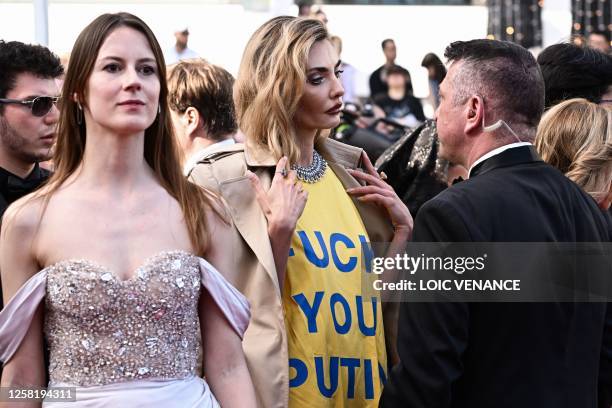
(337, 355)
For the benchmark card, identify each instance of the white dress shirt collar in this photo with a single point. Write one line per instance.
(495, 152)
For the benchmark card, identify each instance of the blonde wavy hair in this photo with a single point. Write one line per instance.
(271, 81)
(575, 136)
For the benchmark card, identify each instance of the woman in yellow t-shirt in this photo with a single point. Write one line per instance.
(305, 197)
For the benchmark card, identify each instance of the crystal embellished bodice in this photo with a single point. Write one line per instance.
(103, 330)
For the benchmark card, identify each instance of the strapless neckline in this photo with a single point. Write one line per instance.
(102, 330)
(148, 263)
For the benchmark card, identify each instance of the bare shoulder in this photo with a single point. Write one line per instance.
(18, 258)
(23, 216)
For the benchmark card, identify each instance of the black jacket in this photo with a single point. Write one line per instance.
(505, 354)
(13, 187)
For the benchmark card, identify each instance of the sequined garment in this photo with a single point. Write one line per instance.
(103, 330)
(426, 141)
(413, 167)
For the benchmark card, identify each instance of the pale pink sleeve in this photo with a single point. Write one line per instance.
(17, 315)
(232, 303)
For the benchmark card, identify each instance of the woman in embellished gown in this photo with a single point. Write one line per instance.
(105, 262)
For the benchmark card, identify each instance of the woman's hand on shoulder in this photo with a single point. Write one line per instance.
(377, 191)
(284, 202)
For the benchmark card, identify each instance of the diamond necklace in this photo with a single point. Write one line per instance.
(313, 172)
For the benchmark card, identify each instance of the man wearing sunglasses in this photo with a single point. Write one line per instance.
(28, 117)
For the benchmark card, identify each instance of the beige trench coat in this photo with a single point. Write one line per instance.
(254, 274)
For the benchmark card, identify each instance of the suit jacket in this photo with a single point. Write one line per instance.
(254, 274)
(505, 354)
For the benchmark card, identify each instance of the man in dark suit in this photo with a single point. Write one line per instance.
(501, 354)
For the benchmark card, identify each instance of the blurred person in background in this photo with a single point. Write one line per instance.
(600, 40)
(570, 71)
(575, 136)
(295, 253)
(320, 15)
(378, 78)
(202, 109)
(180, 50)
(397, 103)
(436, 73)
(304, 8)
(347, 73)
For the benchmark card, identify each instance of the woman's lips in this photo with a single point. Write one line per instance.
(335, 110)
(131, 103)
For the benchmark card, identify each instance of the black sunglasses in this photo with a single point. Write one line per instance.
(40, 105)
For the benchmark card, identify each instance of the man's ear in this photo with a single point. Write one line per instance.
(474, 111)
(193, 118)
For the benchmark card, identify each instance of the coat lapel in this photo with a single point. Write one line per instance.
(250, 221)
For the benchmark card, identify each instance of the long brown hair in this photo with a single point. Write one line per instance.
(160, 150)
(271, 80)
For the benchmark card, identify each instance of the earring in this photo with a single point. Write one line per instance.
(158, 109)
(79, 114)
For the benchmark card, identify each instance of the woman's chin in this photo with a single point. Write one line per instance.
(332, 123)
(133, 127)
